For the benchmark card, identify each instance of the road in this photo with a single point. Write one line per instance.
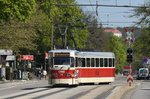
(39, 89)
(142, 91)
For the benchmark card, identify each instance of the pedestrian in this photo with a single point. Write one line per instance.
(39, 74)
(44, 73)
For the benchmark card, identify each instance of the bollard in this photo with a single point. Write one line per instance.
(130, 79)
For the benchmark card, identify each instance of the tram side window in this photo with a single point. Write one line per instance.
(97, 62)
(105, 62)
(83, 62)
(113, 62)
(92, 62)
(101, 62)
(72, 62)
(88, 62)
(78, 62)
(110, 62)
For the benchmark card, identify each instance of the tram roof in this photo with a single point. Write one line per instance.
(85, 54)
(63, 50)
(96, 54)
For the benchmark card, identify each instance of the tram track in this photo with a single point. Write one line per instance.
(34, 93)
(22, 94)
(65, 92)
(92, 92)
(51, 93)
(98, 92)
(81, 94)
(105, 94)
(42, 90)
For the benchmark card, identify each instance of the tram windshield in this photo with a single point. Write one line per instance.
(63, 61)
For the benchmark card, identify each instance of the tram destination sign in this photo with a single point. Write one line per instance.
(62, 54)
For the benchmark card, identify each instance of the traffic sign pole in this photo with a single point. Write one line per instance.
(129, 39)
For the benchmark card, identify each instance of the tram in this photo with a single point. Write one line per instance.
(63, 67)
(74, 67)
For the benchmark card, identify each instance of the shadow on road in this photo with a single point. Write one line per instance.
(36, 87)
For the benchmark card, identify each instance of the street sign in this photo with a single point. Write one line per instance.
(145, 59)
(129, 35)
(27, 57)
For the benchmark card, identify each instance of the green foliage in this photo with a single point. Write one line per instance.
(12, 9)
(15, 37)
(143, 14)
(141, 46)
(65, 18)
(97, 38)
(35, 34)
(42, 26)
(116, 45)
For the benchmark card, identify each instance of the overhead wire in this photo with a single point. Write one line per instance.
(95, 9)
(116, 6)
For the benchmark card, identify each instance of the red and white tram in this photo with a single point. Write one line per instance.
(63, 67)
(96, 67)
(74, 67)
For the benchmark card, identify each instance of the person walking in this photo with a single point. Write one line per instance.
(44, 73)
(39, 74)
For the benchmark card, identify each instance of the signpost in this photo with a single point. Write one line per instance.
(46, 58)
(129, 39)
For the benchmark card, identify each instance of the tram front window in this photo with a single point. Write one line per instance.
(63, 61)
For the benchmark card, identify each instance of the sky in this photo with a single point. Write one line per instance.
(113, 16)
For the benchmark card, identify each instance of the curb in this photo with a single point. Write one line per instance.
(128, 93)
(120, 91)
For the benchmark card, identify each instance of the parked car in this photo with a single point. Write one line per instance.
(143, 73)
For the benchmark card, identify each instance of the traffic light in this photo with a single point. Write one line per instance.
(129, 58)
(129, 51)
(129, 55)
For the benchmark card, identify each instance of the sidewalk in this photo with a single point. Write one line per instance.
(21, 80)
(11, 81)
(120, 91)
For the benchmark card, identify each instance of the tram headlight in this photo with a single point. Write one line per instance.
(68, 75)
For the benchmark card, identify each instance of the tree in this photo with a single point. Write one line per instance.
(97, 38)
(24, 36)
(116, 45)
(141, 45)
(16, 9)
(17, 36)
(67, 18)
(144, 14)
